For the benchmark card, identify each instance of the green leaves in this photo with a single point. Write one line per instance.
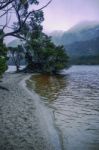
(51, 58)
(3, 53)
(33, 1)
(3, 65)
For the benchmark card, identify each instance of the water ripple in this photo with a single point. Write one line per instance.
(75, 101)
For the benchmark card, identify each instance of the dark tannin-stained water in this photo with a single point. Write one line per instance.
(74, 98)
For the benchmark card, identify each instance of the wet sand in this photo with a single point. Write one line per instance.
(25, 123)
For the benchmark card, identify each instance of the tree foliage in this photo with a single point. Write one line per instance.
(17, 55)
(3, 53)
(41, 54)
(20, 9)
(45, 56)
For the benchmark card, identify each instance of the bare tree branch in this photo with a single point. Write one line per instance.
(6, 21)
(36, 10)
(6, 11)
(5, 4)
(14, 34)
(21, 22)
(7, 27)
(44, 6)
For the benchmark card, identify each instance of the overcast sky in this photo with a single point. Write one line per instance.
(62, 14)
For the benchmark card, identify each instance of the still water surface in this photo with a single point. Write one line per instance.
(74, 98)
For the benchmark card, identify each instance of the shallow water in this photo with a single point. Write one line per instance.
(74, 98)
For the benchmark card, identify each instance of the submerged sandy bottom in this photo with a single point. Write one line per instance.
(25, 123)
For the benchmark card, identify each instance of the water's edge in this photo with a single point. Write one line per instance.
(46, 117)
(74, 100)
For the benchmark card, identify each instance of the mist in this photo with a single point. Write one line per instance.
(61, 15)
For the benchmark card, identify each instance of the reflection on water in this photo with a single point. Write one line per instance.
(49, 87)
(75, 100)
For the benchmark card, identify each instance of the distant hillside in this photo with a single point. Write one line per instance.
(81, 42)
(81, 32)
(56, 36)
(84, 52)
(83, 25)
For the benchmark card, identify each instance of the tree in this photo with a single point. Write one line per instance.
(41, 53)
(21, 8)
(17, 55)
(23, 18)
(44, 55)
(3, 57)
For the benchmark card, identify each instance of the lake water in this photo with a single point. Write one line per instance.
(74, 99)
(13, 68)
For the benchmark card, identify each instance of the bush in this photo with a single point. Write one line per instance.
(3, 65)
(3, 56)
(45, 56)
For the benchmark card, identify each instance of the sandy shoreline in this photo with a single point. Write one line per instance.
(25, 123)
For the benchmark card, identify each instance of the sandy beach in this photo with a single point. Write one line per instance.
(25, 123)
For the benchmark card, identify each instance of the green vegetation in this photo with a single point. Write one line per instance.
(85, 60)
(3, 65)
(84, 52)
(45, 56)
(40, 52)
(3, 52)
(81, 43)
(17, 55)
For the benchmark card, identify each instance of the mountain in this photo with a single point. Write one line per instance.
(83, 25)
(56, 36)
(84, 52)
(81, 32)
(81, 42)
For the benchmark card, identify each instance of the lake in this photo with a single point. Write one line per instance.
(74, 99)
(12, 69)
